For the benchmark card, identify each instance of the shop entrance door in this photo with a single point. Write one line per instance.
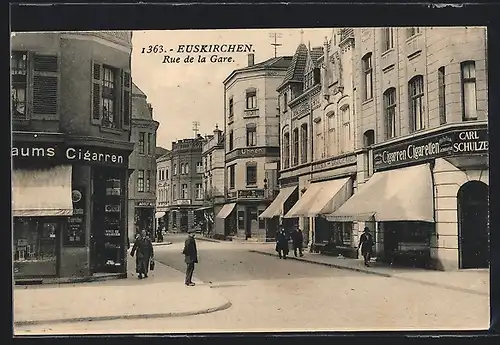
(252, 222)
(473, 225)
(184, 221)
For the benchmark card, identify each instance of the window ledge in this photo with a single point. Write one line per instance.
(367, 101)
(414, 37)
(252, 185)
(251, 109)
(387, 52)
(230, 121)
(111, 130)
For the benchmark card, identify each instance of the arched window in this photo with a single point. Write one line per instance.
(182, 168)
(186, 168)
(304, 137)
(390, 113)
(416, 103)
(367, 68)
(286, 150)
(369, 138)
(332, 132)
(345, 117)
(295, 148)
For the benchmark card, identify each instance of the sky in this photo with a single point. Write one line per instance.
(181, 93)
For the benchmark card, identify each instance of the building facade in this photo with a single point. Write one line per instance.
(187, 185)
(318, 160)
(213, 158)
(163, 189)
(71, 105)
(422, 114)
(252, 145)
(142, 164)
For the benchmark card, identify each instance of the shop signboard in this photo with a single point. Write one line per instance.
(253, 152)
(60, 154)
(453, 142)
(145, 204)
(75, 231)
(334, 163)
(251, 194)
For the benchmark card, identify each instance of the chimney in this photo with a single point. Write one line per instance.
(251, 58)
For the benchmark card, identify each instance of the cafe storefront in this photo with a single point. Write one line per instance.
(69, 206)
(427, 200)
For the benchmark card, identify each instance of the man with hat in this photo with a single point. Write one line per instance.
(190, 257)
(366, 244)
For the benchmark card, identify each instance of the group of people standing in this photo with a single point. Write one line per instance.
(282, 239)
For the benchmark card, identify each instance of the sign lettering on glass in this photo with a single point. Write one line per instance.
(75, 231)
(450, 143)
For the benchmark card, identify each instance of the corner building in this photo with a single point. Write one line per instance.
(71, 104)
(187, 185)
(423, 145)
(251, 123)
(142, 165)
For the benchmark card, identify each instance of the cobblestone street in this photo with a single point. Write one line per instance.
(268, 294)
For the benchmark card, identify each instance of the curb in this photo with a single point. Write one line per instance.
(208, 239)
(328, 264)
(125, 317)
(74, 280)
(386, 275)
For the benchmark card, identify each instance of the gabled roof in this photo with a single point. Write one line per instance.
(279, 62)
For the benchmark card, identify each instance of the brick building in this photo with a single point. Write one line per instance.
(186, 181)
(252, 146)
(142, 164)
(71, 104)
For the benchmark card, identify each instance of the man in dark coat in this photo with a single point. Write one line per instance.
(297, 241)
(190, 257)
(144, 249)
(366, 244)
(282, 243)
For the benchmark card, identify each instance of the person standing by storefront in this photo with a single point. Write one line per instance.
(190, 257)
(282, 243)
(366, 245)
(144, 249)
(297, 241)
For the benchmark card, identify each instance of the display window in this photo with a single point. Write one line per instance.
(35, 247)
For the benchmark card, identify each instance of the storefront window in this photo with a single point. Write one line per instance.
(35, 246)
(341, 234)
(241, 220)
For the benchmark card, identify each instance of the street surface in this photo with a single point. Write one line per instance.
(268, 294)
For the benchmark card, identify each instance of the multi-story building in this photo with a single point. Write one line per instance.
(186, 180)
(142, 163)
(418, 131)
(318, 163)
(163, 189)
(422, 112)
(71, 105)
(213, 159)
(251, 122)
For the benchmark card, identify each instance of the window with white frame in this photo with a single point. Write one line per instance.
(469, 91)
(318, 129)
(368, 76)
(346, 128)
(332, 140)
(199, 168)
(251, 134)
(140, 180)
(109, 114)
(390, 113)
(286, 150)
(416, 98)
(199, 191)
(184, 191)
(388, 39)
(142, 136)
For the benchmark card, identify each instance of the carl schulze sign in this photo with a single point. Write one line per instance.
(451, 143)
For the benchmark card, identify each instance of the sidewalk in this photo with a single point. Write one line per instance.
(155, 244)
(470, 281)
(161, 295)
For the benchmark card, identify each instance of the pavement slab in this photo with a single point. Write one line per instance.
(162, 294)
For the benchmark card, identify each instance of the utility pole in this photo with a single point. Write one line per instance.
(196, 128)
(275, 43)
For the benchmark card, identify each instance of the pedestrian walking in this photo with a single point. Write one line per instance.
(282, 243)
(190, 257)
(144, 250)
(366, 244)
(297, 241)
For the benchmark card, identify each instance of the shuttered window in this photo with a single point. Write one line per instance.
(45, 85)
(96, 91)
